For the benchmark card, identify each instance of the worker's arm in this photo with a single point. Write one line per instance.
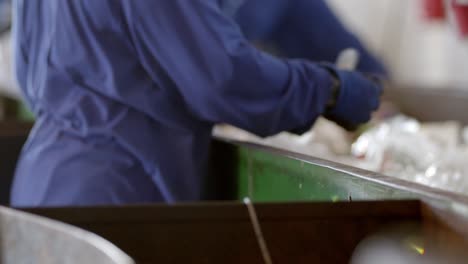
(302, 29)
(192, 47)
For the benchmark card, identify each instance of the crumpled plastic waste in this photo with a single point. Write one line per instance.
(433, 154)
(325, 140)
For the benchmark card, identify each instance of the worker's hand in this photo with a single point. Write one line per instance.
(356, 98)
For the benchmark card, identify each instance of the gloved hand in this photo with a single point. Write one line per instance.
(356, 98)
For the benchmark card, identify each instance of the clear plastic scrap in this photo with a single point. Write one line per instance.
(432, 154)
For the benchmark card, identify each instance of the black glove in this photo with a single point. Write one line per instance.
(355, 97)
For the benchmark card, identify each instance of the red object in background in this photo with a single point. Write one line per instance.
(460, 11)
(434, 10)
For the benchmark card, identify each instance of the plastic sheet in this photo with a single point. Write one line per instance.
(430, 154)
(326, 140)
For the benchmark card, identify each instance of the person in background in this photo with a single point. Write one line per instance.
(302, 29)
(126, 93)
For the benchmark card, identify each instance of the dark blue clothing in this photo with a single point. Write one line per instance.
(305, 29)
(126, 94)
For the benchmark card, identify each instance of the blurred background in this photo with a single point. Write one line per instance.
(418, 40)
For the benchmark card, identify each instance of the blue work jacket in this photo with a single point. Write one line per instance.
(126, 92)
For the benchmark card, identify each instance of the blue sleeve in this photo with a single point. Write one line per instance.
(193, 47)
(302, 29)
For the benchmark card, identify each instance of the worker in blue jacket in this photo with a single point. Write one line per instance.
(126, 93)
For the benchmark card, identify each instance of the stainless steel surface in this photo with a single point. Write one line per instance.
(26, 238)
(430, 105)
(414, 190)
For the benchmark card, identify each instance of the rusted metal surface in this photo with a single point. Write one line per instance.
(222, 232)
(310, 232)
(25, 238)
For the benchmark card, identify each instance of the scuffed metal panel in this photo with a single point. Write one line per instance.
(265, 176)
(269, 174)
(25, 238)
